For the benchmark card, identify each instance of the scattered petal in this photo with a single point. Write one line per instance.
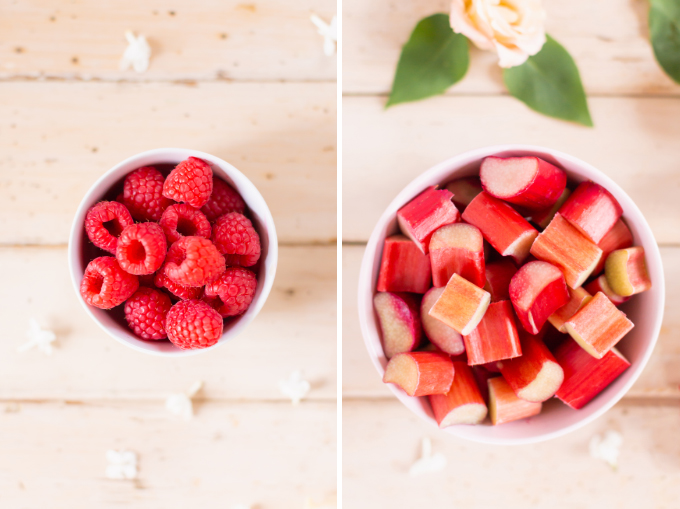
(428, 462)
(40, 338)
(607, 448)
(122, 464)
(295, 387)
(137, 54)
(328, 32)
(180, 404)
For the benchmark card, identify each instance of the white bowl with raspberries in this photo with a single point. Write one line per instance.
(511, 294)
(173, 252)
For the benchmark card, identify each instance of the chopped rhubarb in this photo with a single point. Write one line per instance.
(598, 326)
(463, 404)
(592, 210)
(585, 376)
(420, 217)
(404, 268)
(495, 338)
(420, 373)
(498, 276)
(542, 218)
(529, 182)
(618, 237)
(464, 190)
(482, 377)
(461, 305)
(563, 245)
(399, 317)
(505, 406)
(577, 299)
(626, 271)
(536, 375)
(537, 291)
(501, 225)
(457, 249)
(441, 335)
(600, 285)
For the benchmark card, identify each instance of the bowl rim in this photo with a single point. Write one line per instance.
(254, 200)
(366, 288)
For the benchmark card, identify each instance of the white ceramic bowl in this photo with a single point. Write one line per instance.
(258, 212)
(645, 310)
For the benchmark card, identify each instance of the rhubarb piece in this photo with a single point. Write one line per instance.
(404, 268)
(482, 377)
(495, 338)
(399, 317)
(600, 285)
(592, 210)
(561, 244)
(501, 225)
(441, 335)
(537, 291)
(528, 181)
(542, 218)
(619, 237)
(420, 217)
(461, 305)
(463, 404)
(457, 249)
(536, 375)
(598, 326)
(585, 376)
(498, 277)
(626, 271)
(420, 373)
(577, 299)
(464, 191)
(505, 406)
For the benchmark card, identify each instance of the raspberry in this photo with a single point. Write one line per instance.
(193, 324)
(179, 291)
(105, 285)
(224, 199)
(190, 182)
(234, 236)
(104, 223)
(143, 194)
(145, 313)
(141, 248)
(183, 220)
(193, 261)
(234, 291)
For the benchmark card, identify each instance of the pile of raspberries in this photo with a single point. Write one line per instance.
(180, 247)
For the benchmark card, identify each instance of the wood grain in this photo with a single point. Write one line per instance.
(263, 40)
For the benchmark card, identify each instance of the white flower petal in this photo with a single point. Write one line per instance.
(428, 463)
(295, 387)
(122, 465)
(137, 54)
(39, 338)
(606, 448)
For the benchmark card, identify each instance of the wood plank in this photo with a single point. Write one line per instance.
(264, 454)
(381, 440)
(296, 329)
(608, 41)
(267, 40)
(660, 378)
(634, 143)
(57, 138)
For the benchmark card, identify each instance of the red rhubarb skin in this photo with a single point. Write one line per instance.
(420, 217)
(619, 237)
(508, 406)
(498, 277)
(584, 375)
(542, 218)
(435, 372)
(482, 377)
(521, 371)
(499, 223)
(463, 391)
(600, 285)
(592, 210)
(464, 190)
(541, 192)
(455, 260)
(404, 268)
(553, 296)
(495, 338)
(442, 337)
(408, 311)
(637, 270)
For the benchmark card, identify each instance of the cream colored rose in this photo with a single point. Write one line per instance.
(512, 28)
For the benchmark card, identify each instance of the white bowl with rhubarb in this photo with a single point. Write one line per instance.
(511, 294)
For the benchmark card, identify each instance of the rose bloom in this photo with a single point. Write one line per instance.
(512, 28)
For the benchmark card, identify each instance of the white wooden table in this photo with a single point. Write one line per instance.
(636, 110)
(248, 82)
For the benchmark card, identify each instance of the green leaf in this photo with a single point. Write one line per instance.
(664, 32)
(432, 60)
(549, 83)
